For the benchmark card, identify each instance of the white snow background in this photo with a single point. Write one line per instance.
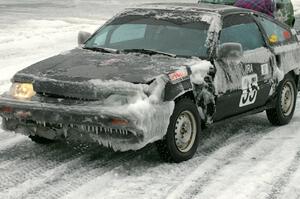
(247, 158)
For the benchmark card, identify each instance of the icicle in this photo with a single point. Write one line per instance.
(65, 132)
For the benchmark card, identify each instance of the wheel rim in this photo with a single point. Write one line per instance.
(185, 131)
(287, 99)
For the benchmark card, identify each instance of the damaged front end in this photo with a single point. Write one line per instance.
(116, 114)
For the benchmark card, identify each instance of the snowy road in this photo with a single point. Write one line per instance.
(246, 158)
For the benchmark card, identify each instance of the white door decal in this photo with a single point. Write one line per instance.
(250, 88)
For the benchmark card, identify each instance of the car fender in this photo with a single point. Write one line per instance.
(201, 94)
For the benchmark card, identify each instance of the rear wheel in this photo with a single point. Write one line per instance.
(183, 135)
(40, 140)
(285, 102)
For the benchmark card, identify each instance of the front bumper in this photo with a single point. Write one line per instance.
(85, 120)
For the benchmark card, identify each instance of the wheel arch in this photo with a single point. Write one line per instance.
(277, 115)
(296, 76)
(190, 95)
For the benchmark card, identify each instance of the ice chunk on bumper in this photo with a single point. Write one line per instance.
(147, 115)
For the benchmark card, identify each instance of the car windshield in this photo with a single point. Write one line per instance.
(226, 2)
(154, 35)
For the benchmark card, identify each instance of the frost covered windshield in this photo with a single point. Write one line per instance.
(164, 32)
(226, 2)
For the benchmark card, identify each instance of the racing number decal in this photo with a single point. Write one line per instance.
(250, 88)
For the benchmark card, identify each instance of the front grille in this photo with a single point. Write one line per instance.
(93, 129)
(49, 95)
(69, 90)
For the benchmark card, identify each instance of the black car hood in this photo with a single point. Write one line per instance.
(75, 73)
(80, 65)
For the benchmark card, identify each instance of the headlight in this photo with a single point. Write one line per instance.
(22, 91)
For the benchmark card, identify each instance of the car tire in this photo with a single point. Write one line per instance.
(183, 134)
(40, 140)
(285, 102)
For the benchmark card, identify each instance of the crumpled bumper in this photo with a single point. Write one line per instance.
(87, 121)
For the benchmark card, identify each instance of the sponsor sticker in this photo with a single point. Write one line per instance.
(264, 69)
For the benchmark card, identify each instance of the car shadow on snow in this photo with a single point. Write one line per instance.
(73, 160)
(214, 137)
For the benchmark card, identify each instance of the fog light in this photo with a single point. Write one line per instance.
(6, 109)
(119, 122)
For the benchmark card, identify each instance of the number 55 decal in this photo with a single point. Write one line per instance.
(250, 88)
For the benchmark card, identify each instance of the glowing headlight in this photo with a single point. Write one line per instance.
(22, 91)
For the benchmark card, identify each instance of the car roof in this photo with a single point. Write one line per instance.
(196, 7)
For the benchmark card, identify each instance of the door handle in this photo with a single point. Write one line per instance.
(278, 60)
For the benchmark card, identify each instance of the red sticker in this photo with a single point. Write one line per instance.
(179, 74)
(286, 34)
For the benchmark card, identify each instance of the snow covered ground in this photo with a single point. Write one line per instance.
(247, 158)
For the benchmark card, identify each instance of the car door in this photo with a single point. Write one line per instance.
(243, 84)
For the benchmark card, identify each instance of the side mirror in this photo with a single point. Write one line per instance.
(279, 6)
(83, 37)
(230, 51)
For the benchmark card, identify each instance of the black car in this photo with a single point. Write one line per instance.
(159, 73)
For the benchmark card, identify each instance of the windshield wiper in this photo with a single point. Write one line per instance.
(101, 49)
(148, 52)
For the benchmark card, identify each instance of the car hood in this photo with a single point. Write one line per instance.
(80, 65)
(90, 75)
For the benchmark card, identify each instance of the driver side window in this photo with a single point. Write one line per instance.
(241, 28)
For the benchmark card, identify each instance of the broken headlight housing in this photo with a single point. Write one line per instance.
(22, 91)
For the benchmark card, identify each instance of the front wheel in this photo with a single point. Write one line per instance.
(183, 135)
(285, 102)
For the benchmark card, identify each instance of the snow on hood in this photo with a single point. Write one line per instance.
(83, 65)
(69, 74)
